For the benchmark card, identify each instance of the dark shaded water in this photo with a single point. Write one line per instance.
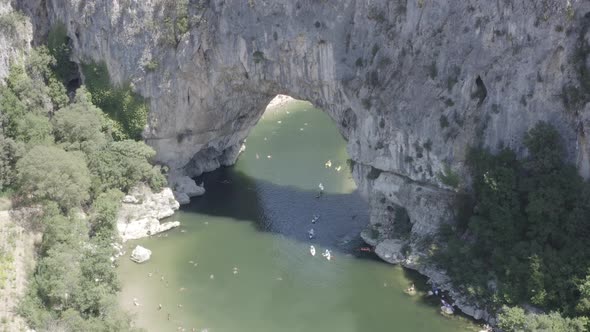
(241, 261)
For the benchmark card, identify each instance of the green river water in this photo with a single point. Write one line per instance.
(254, 221)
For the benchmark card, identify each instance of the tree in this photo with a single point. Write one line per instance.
(33, 129)
(10, 152)
(58, 276)
(50, 173)
(103, 215)
(512, 319)
(79, 125)
(121, 165)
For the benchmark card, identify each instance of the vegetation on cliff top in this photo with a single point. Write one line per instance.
(524, 239)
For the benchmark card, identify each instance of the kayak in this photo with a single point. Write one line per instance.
(312, 250)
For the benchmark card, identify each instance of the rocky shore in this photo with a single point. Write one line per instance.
(392, 251)
(141, 212)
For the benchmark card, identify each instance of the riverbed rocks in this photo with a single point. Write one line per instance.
(141, 212)
(140, 254)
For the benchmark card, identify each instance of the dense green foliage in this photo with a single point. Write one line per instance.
(515, 319)
(127, 109)
(525, 240)
(61, 155)
(123, 164)
(48, 173)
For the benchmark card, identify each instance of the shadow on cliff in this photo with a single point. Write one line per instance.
(284, 210)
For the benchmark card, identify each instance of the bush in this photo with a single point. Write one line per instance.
(103, 215)
(51, 174)
(10, 153)
(127, 109)
(121, 165)
(79, 125)
(12, 23)
(449, 178)
(516, 320)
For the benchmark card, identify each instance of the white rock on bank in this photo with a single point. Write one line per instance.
(390, 251)
(140, 254)
(141, 211)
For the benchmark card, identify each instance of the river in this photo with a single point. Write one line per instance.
(240, 262)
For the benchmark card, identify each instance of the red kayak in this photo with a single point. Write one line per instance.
(367, 249)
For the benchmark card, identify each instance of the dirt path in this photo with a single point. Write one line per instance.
(17, 253)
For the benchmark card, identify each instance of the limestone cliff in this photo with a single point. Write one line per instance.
(410, 83)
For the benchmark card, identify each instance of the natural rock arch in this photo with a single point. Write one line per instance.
(411, 84)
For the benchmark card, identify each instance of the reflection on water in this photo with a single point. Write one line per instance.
(241, 261)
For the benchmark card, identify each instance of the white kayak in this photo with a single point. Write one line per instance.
(327, 254)
(312, 250)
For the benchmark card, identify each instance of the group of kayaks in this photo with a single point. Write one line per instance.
(327, 253)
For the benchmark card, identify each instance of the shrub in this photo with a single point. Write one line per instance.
(12, 23)
(449, 177)
(258, 56)
(121, 165)
(151, 65)
(516, 320)
(127, 109)
(10, 153)
(50, 173)
(79, 125)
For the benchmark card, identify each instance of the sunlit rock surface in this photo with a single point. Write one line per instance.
(142, 210)
(411, 84)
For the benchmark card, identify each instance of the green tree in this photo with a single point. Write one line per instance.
(512, 319)
(103, 215)
(58, 276)
(79, 125)
(10, 152)
(50, 173)
(123, 164)
(32, 129)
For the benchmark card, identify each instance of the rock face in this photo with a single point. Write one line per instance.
(184, 188)
(140, 254)
(16, 32)
(410, 84)
(142, 210)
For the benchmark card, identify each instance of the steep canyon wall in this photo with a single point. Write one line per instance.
(410, 83)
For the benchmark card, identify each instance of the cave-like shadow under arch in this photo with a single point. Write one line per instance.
(285, 210)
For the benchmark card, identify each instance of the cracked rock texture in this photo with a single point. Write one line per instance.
(141, 211)
(411, 84)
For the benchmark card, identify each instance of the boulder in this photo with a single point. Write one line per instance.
(390, 251)
(141, 211)
(140, 254)
(185, 187)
